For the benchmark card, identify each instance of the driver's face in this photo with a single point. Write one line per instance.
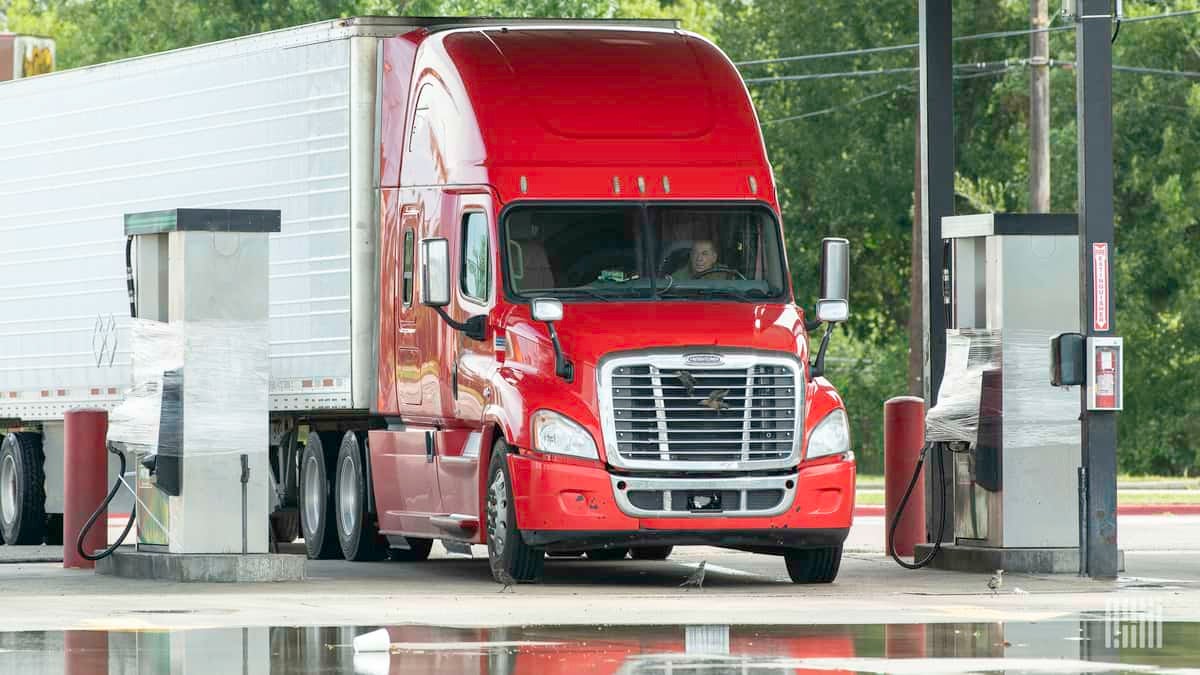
(704, 256)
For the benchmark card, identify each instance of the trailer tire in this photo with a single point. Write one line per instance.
(418, 550)
(814, 565)
(357, 531)
(317, 518)
(22, 489)
(511, 559)
(651, 552)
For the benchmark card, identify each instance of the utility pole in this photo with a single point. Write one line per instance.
(1093, 87)
(1039, 110)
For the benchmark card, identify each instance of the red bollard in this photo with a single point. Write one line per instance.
(85, 483)
(85, 652)
(903, 438)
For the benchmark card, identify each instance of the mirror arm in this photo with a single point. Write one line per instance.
(562, 367)
(811, 324)
(817, 369)
(474, 327)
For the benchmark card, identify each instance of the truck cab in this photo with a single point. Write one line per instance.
(588, 340)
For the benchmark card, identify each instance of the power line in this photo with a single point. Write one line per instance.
(1189, 74)
(826, 55)
(961, 38)
(827, 76)
(884, 71)
(843, 106)
(1152, 17)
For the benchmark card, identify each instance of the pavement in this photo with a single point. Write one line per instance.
(1162, 554)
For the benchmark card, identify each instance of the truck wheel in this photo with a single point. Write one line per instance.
(651, 552)
(418, 550)
(607, 553)
(814, 565)
(22, 489)
(357, 531)
(317, 517)
(511, 559)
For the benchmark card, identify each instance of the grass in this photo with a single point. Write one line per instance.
(1123, 497)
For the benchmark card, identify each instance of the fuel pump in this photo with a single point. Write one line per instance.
(196, 416)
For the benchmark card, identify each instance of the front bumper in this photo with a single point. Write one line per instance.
(566, 506)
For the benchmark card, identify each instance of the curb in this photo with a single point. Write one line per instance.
(1127, 510)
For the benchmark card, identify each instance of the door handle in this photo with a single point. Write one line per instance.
(430, 447)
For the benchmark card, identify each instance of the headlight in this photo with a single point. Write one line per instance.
(560, 435)
(831, 437)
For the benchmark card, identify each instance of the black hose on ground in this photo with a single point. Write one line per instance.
(101, 509)
(937, 542)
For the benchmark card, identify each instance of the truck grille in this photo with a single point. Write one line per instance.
(662, 413)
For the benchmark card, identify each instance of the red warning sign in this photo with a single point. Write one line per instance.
(1100, 286)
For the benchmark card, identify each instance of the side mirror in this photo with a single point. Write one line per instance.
(834, 303)
(435, 272)
(549, 310)
(435, 288)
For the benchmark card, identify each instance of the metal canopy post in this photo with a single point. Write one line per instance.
(1093, 82)
(937, 201)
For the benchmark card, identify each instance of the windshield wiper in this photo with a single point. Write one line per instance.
(705, 292)
(606, 295)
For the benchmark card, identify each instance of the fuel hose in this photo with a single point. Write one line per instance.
(101, 509)
(937, 542)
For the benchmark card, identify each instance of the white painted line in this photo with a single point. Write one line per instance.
(459, 646)
(956, 665)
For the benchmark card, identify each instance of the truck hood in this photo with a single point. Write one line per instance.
(590, 331)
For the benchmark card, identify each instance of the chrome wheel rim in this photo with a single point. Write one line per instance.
(8, 489)
(497, 513)
(347, 495)
(313, 492)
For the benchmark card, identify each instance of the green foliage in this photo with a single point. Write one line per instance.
(843, 151)
(866, 375)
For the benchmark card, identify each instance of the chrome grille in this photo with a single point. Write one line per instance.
(662, 411)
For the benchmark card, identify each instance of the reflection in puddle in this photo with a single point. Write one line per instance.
(1046, 647)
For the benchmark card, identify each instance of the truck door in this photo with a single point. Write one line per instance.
(472, 361)
(408, 348)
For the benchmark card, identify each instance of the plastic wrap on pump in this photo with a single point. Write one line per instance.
(219, 372)
(1003, 379)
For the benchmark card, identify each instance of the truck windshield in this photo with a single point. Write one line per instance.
(637, 251)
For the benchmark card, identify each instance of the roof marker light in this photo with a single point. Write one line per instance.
(616, 185)
(753, 185)
(666, 185)
(524, 185)
(641, 181)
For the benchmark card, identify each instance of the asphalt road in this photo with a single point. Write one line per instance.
(1163, 557)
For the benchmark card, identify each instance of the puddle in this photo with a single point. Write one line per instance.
(1114, 644)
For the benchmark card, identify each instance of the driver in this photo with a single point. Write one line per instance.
(703, 264)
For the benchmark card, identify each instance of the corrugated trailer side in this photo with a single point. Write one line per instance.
(268, 122)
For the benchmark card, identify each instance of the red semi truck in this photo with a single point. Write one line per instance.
(569, 317)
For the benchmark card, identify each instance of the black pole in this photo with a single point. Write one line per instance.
(937, 202)
(1093, 82)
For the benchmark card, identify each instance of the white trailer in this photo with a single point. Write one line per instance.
(286, 120)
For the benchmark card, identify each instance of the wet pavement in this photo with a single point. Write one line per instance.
(1122, 639)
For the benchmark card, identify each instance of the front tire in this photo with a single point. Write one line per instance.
(22, 489)
(814, 565)
(511, 559)
(317, 517)
(651, 552)
(358, 533)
